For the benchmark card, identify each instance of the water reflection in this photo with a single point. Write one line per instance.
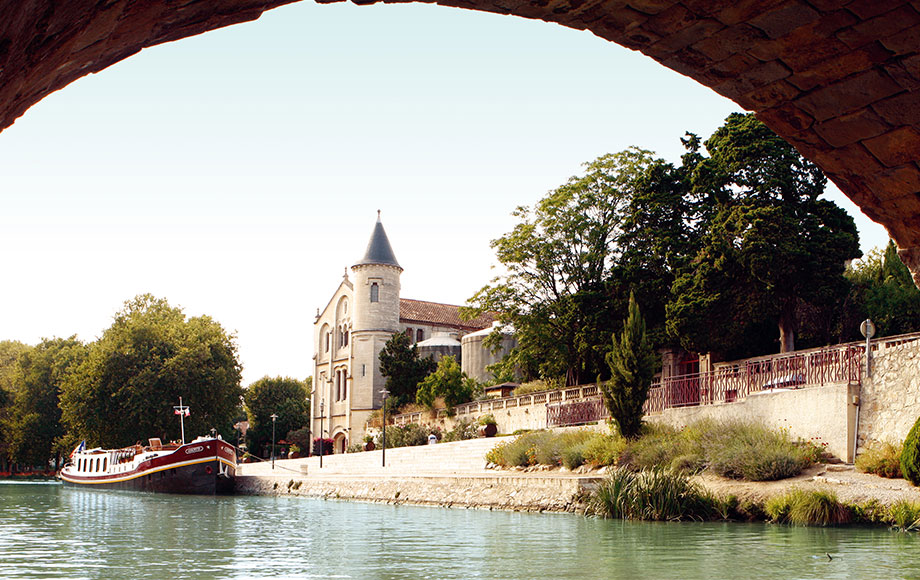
(50, 532)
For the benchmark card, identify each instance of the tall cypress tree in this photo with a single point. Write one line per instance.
(632, 367)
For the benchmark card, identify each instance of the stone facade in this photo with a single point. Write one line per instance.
(349, 333)
(890, 397)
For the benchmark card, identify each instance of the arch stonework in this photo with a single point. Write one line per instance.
(839, 79)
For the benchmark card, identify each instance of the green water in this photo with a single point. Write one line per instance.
(48, 531)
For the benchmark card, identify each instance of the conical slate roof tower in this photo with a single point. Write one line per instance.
(379, 250)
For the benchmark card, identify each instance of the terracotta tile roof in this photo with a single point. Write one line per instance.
(420, 311)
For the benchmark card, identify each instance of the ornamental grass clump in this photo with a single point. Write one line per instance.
(754, 452)
(808, 508)
(570, 449)
(881, 458)
(656, 494)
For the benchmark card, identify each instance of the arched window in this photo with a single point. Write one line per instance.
(419, 335)
(327, 341)
(375, 292)
(345, 334)
(344, 384)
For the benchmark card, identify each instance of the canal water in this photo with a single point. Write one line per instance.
(48, 531)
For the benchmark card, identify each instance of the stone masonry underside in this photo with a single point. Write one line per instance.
(840, 80)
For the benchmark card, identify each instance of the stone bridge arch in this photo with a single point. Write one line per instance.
(839, 79)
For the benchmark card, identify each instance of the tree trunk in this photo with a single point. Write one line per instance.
(787, 327)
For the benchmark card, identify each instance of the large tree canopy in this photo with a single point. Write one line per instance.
(284, 397)
(558, 292)
(771, 248)
(135, 373)
(33, 428)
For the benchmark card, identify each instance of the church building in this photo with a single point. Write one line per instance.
(362, 315)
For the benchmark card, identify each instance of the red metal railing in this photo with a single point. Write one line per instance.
(731, 382)
(575, 412)
(728, 382)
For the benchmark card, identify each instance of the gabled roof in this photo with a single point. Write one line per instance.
(434, 313)
(379, 250)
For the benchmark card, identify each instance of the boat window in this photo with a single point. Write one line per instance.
(105, 461)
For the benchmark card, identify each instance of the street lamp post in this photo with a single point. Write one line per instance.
(273, 439)
(322, 411)
(384, 392)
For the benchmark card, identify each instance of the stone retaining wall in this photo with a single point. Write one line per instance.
(517, 492)
(890, 396)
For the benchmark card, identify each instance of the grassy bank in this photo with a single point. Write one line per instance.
(735, 450)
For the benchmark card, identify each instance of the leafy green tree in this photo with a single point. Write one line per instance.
(771, 246)
(10, 351)
(285, 397)
(135, 373)
(34, 429)
(883, 290)
(404, 370)
(447, 382)
(632, 367)
(559, 292)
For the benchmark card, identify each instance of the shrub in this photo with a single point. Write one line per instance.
(408, 435)
(656, 494)
(870, 512)
(804, 508)
(487, 419)
(756, 453)
(658, 446)
(327, 446)
(464, 429)
(603, 450)
(574, 456)
(882, 459)
(538, 386)
(910, 455)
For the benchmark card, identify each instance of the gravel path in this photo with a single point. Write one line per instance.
(849, 485)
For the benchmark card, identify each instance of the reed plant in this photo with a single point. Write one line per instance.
(905, 516)
(808, 508)
(881, 458)
(657, 494)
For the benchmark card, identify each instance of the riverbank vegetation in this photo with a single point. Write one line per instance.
(660, 494)
(735, 450)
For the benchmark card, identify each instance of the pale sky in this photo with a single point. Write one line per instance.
(237, 173)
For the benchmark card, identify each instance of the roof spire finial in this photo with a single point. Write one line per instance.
(378, 215)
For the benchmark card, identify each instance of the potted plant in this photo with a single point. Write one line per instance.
(487, 426)
(294, 452)
(369, 443)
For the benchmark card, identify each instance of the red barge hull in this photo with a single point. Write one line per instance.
(205, 467)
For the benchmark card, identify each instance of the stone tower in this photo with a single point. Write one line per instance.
(375, 317)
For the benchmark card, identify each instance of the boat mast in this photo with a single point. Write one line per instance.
(182, 411)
